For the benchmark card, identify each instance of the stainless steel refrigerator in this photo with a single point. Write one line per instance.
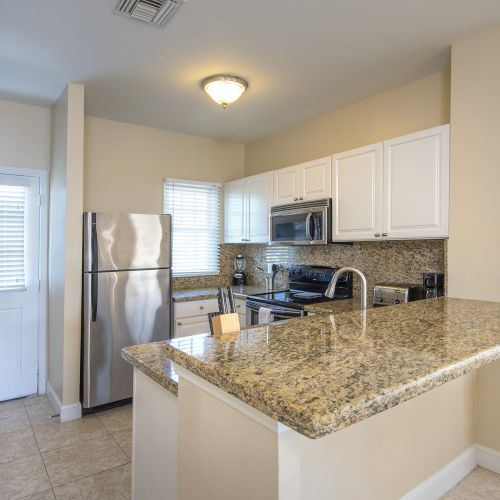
(126, 297)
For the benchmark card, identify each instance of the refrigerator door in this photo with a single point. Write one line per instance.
(114, 241)
(120, 309)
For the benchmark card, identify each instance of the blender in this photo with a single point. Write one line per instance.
(240, 264)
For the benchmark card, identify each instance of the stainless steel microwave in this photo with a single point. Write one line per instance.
(306, 223)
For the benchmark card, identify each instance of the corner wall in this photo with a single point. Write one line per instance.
(473, 247)
(417, 106)
(65, 246)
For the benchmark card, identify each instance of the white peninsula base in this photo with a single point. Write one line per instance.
(208, 445)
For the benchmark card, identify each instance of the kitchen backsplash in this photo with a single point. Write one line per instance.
(393, 261)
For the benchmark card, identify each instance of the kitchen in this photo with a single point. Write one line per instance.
(409, 181)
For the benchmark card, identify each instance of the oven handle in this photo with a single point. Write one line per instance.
(308, 226)
(280, 311)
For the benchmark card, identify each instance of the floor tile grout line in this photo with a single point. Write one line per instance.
(92, 475)
(77, 442)
(41, 458)
(119, 445)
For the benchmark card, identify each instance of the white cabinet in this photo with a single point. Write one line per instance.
(416, 185)
(357, 194)
(184, 327)
(246, 208)
(307, 181)
(191, 318)
(398, 189)
(241, 310)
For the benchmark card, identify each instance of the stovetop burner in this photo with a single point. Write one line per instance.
(308, 285)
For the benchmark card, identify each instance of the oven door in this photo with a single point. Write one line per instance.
(279, 313)
(300, 225)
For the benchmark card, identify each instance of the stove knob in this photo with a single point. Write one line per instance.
(397, 301)
(381, 300)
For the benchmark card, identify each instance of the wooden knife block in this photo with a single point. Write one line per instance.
(225, 323)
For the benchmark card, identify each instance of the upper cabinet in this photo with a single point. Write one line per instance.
(398, 189)
(357, 194)
(416, 185)
(246, 207)
(307, 181)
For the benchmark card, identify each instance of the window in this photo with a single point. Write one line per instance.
(12, 222)
(196, 226)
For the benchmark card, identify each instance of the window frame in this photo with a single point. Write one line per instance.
(219, 186)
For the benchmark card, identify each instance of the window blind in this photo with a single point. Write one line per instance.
(196, 226)
(12, 222)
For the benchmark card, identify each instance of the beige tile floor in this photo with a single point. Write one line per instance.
(42, 458)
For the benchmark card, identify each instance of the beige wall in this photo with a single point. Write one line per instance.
(475, 197)
(417, 106)
(125, 164)
(65, 244)
(24, 135)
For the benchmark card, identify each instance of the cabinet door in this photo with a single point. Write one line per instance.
(357, 194)
(416, 185)
(234, 212)
(184, 327)
(316, 179)
(258, 191)
(286, 186)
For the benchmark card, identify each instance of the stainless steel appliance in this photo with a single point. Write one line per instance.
(307, 223)
(387, 294)
(308, 285)
(433, 285)
(126, 297)
(239, 276)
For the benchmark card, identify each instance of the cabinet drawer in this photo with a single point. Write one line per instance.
(195, 308)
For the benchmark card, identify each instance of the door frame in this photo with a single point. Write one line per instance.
(42, 176)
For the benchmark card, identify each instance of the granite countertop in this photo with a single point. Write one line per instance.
(320, 374)
(240, 292)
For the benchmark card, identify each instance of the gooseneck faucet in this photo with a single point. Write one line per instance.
(330, 291)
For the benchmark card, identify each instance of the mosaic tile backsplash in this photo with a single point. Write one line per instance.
(384, 261)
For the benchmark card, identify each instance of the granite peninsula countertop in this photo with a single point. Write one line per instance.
(323, 373)
(336, 306)
(240, 292)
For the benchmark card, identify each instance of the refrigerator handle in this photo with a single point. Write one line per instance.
(93, 295)
(94, 245)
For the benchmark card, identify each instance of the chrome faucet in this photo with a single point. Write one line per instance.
(330, 291)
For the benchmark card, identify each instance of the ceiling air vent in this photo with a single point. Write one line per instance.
(151, 11)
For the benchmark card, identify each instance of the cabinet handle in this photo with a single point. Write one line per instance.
(179, 324)
(377, 235)
(300, 199)
(295, 199)
(202, 307)
(384, 234)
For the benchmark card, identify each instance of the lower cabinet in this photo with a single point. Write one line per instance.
(191, 318)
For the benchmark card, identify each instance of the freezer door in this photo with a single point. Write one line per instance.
(114, 241)
(120, 309)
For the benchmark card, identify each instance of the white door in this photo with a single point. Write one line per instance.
(19, 256)
(235, 210)
(286, 186)
(357, 194)
(316, 179)
(258, 190)
(416, 185)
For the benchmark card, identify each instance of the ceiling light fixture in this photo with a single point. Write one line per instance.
(224, 89)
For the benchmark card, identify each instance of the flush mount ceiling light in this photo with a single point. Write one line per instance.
(224, 89)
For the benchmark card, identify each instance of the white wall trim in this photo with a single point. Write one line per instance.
(42, 176)
(444, 479)
(67, 412)
(488, 458)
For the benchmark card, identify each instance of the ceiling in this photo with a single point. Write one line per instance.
(302, 59)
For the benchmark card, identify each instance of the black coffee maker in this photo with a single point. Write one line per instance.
(239, 276)
(433, 285)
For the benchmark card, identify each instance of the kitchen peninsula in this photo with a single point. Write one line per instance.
(350, 405)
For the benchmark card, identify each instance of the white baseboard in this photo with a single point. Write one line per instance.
(66, 412)
(488, 458)
(447, 477)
